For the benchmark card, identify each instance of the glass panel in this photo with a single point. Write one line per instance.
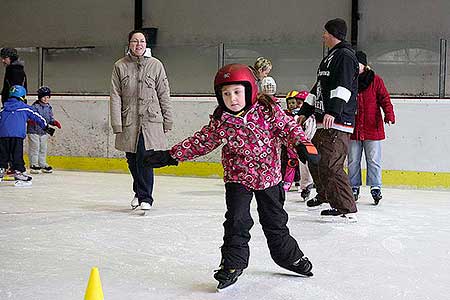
(190, 68)
(407, 68)
(294, 65)
(84, 70)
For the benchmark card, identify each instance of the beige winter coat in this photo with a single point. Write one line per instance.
(140, 101)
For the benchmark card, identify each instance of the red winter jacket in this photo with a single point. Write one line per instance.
(369, 121)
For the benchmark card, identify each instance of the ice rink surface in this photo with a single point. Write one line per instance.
(53, 233)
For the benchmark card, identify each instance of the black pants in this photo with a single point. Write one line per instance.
(11, 151)
(142, 176)
(273, 218)
(332, 183)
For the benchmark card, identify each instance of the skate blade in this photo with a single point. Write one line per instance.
(20, 183)
(8, 178)
(339, 219)
(225, 289)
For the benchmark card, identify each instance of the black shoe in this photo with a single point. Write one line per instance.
(355, 191)
(335, 215)
(226, 277)
(314, 203)
(47, 169)
(306, 192)
(302, 266)
(376, 195)
(35, 169)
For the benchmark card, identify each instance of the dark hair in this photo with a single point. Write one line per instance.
(137, 31)
(9, 52)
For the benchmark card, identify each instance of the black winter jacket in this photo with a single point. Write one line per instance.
(336, 88)
(14, 75)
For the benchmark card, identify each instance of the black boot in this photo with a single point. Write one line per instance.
(355, 191)
(376, 194)
(302, 266)
(226, 277)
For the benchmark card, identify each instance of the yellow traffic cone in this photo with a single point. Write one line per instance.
(94, 288)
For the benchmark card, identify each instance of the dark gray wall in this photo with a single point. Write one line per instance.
(401, 38)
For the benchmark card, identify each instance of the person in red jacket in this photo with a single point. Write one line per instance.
(369, 129)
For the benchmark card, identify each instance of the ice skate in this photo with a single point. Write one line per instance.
(35, 169)
(376, 194)
(134, 203)
(22, 176)
(47, 169)
(355, 191)
(313, 204)
(145, 206)
(302, 266)
(2, 173)
(306, 192)
(333, 215)
(226, 277)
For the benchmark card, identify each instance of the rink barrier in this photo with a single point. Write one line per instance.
(392, 178)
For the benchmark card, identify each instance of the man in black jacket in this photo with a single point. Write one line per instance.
(14, 73)
(333, 102)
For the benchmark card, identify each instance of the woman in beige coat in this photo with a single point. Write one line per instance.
(141, 112)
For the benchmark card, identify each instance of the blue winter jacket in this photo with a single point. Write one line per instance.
(46, 111)
(14, 116)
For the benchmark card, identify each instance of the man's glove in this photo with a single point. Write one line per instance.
(56, 123)
(158, 159)
(306, 151)
(49, 130)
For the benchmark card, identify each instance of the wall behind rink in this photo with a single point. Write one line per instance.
(419, 141)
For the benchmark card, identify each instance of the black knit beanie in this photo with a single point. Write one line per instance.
(337, 28)
(362, 57)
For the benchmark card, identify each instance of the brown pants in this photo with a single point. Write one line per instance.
(332, 183)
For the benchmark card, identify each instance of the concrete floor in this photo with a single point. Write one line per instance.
(53, 233)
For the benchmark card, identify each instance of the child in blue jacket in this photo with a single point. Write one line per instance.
(13, 119)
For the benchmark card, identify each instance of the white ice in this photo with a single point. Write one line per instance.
(54, 232)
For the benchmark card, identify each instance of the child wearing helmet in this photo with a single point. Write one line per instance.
(251, 128)
(37, 137)
(13, 119)
(309, 127)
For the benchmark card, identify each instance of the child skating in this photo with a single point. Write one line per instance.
(13, 119)
(252, 129)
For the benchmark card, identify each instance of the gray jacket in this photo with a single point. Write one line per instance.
(140, 102)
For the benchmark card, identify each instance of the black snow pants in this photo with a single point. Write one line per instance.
(273, 218)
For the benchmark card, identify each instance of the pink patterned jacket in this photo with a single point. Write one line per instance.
(251, 151)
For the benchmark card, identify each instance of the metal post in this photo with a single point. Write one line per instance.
(40, 67)
(220, 55)
(442, 66)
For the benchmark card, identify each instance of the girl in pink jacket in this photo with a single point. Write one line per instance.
(251, 128)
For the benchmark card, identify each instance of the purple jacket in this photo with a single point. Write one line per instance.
(251, 151)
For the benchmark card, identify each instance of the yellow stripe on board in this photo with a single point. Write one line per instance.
(412, 179)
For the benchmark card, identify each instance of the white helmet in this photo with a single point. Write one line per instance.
(268, 86)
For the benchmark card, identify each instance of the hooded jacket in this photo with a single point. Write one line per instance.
(14, 75)
(336, 89)
(369, 121)
(14, 116)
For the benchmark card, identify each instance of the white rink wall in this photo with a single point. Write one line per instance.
(419, 141)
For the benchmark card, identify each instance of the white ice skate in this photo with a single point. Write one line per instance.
(21, 183)
(134, 203)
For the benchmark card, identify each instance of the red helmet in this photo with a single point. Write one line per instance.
(236, 74)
